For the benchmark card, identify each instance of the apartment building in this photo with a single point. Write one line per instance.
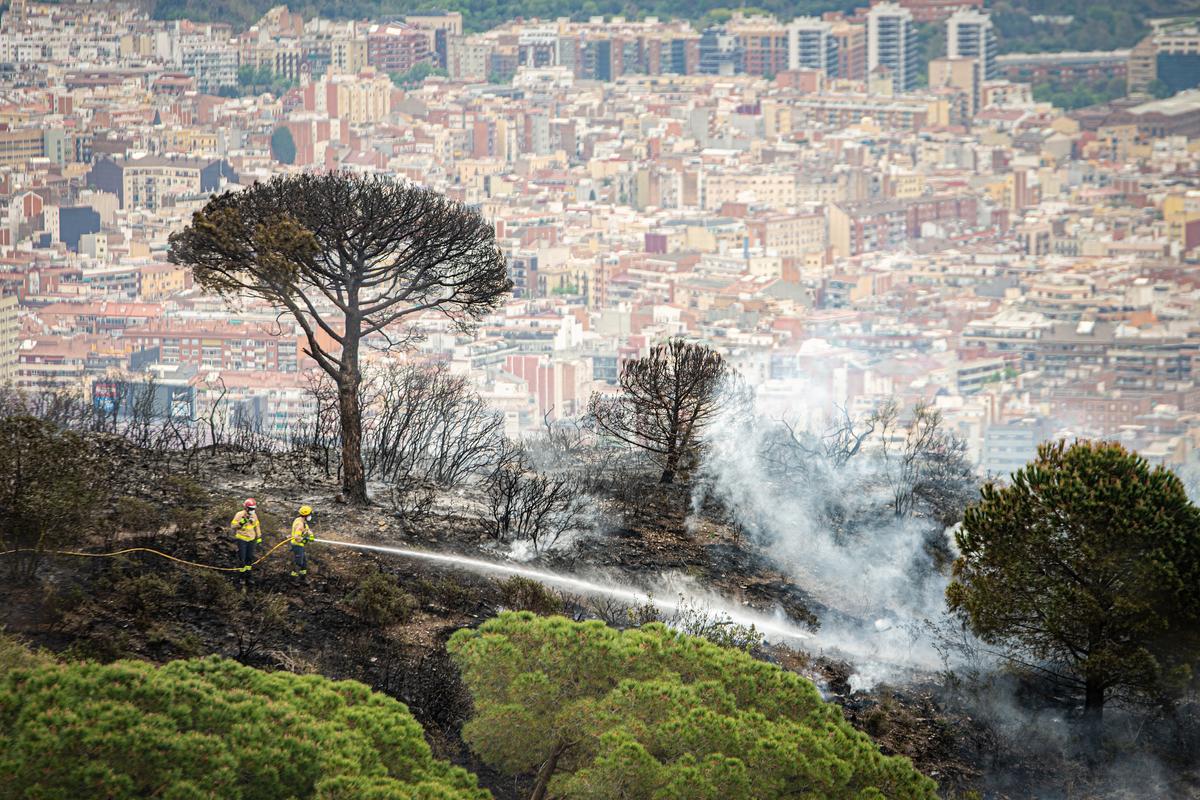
(838, 111)
(358, 99)
(347, 55)
(857, 228)
(863, 227)
(675, 53)
(925, 11)
(217, 345)
(961, 74)
(762, 42)
(145, 182)
(467, 59)
(851, 41)
(53, 363)
(789, 235)
(443, 26)
(1170, 55)
(969, 34)
(812, 45)
(892, 44)
(17, 147)
(214, 65)
(1068, 348)
(774, 190)
(719, 52)
(397, 48)
(10, 337)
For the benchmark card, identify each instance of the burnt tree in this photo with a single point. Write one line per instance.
(348, 257)
(667, 399)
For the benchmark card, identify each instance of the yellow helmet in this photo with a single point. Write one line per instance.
(306, 511)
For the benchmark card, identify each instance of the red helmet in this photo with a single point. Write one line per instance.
(250, 504)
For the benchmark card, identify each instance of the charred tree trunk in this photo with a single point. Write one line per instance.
(668, 473)
(546, 772)
(1093, 702)
(671, 464)
(354, 478)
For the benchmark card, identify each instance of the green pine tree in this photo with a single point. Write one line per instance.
(595, 712)
(210, 728)
(1086, 568)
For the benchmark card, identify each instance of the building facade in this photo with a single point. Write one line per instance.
(892, 44)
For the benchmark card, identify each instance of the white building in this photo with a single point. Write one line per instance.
(892, 43)
(214, 65)
(811, 45)
(969, 34)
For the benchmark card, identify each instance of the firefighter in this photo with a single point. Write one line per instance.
(248, 532)
(301, 536)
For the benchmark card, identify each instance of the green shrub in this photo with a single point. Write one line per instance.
(378, 601)
(210, 728)
(652, 713)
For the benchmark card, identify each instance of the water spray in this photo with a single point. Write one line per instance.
(772, 628)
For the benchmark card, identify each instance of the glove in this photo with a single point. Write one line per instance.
(258, 540)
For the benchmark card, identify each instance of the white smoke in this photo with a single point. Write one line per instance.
(877, 585)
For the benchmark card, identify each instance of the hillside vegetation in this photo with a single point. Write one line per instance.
(659, 715)
(210, 728)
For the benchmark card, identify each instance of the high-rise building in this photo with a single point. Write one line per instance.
(969, 34)
(10, 337)
(812, 45)
(892, 43)
(851, 41)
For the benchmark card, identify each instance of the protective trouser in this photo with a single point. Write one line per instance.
(299, 560)
(245, 554)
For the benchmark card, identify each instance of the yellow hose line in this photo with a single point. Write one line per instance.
(128, 550)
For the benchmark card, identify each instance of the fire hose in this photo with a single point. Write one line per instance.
(151, 550)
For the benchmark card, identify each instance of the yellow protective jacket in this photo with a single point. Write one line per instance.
(301, 533)
(246, 526)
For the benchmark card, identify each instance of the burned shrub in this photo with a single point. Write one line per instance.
(522, 594)
(526, 505)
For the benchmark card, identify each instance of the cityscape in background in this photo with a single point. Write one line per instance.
(850, 215)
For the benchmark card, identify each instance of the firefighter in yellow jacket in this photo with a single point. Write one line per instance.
(248, 532)
(301, 536)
